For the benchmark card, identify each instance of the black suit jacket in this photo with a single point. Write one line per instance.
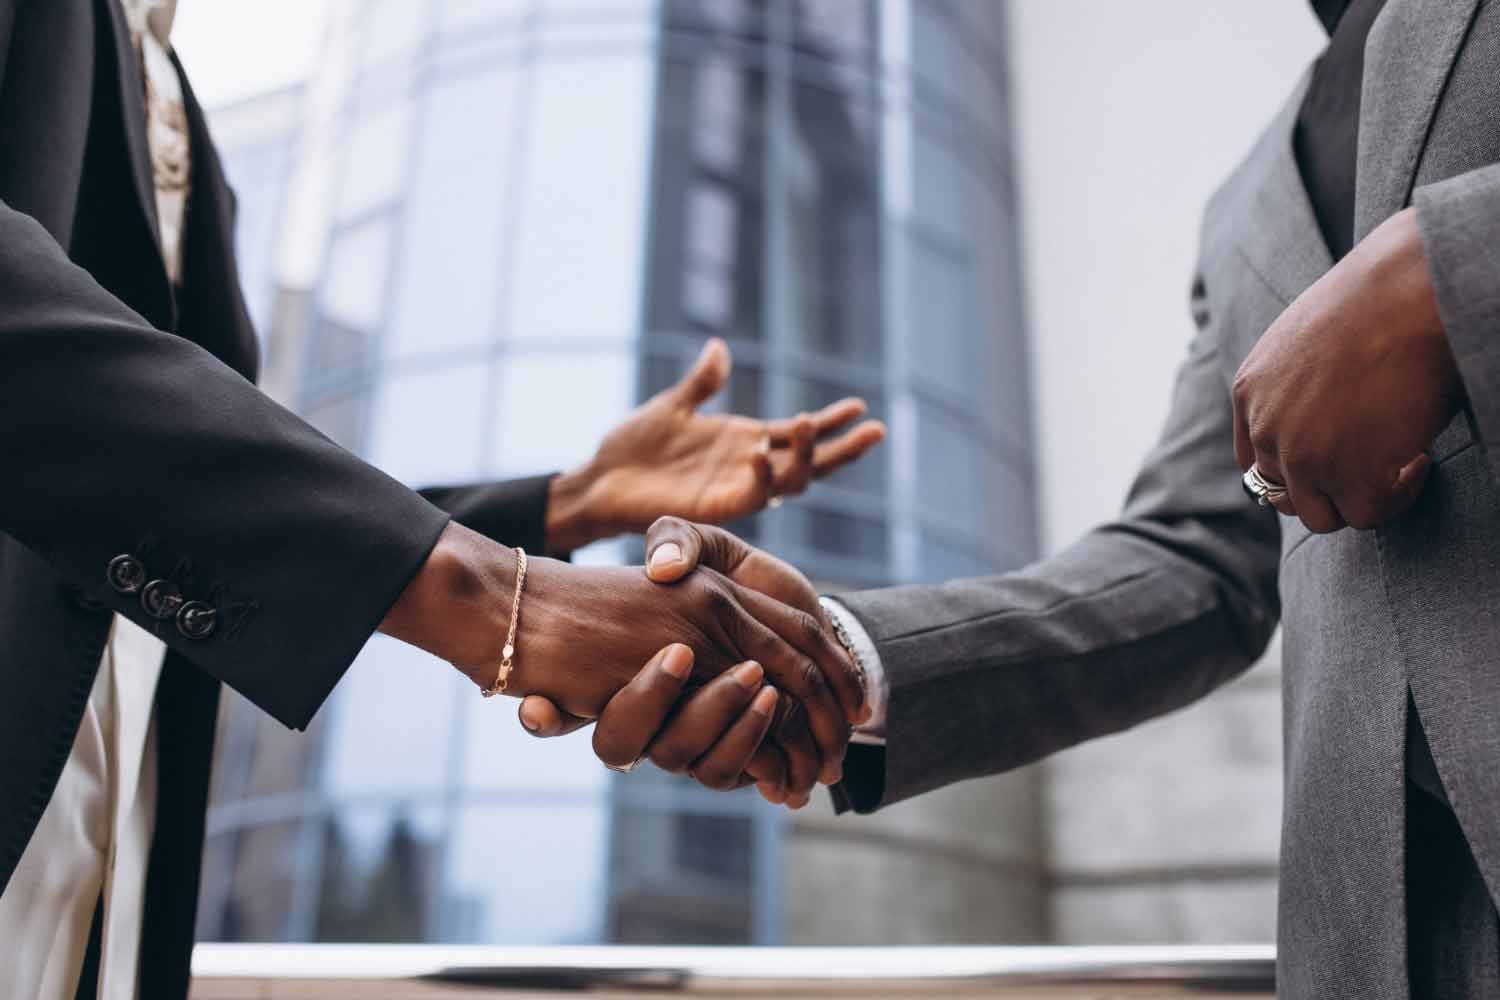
(130, 424)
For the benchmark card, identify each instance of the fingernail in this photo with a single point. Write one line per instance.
(666, 554)
(765, 702)
(530, 724)
(770, 792)
(864, 713)
(678, 661)
(748, 674)
(833, 772)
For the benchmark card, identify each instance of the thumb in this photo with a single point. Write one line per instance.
(707, 376)
(541, 718)
(674, 548)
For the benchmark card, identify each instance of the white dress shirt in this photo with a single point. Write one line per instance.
(877, 687)
(93, 841)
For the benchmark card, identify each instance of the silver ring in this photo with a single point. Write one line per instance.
(1263, 491)
(624, 768)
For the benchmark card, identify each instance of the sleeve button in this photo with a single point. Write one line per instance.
(196, 620)
(161, 598)
(126, 574)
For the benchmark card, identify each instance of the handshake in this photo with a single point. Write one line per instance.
(734, 644)
(716, 660)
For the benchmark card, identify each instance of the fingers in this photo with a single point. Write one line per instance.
(1409, 482)
(804, 762)
(704, 718)
(1244, 451)
(542, 718)
(835, 415)
(833, 455)
(792, 463)
(1313, 506)
(725, 761)
(639, 710)
(809, 633)
(787, 642)
(767, 769)
(707, 376)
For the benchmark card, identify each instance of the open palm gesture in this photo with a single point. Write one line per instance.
(667, 457)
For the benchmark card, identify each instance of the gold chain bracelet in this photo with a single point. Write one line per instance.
(507, 655)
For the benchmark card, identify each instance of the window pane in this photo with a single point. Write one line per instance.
(582, 213)
(375, 159)
(378, 870)
(392, 724)
(527, 874)
(552, 411)
(427, 425)
(452, 264)
(393, 26)
(498, 754)
(354, 288)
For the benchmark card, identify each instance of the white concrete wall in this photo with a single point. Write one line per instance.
(1128, 116)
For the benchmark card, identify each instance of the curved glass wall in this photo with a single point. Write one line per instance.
(535, 213)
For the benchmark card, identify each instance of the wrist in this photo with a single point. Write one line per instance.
(572, 515)
(1402, 273)
(457, 607)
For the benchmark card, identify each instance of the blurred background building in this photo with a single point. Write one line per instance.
(474, 233)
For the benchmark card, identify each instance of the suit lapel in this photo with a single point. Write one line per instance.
(1276, 230)
(1408, 58)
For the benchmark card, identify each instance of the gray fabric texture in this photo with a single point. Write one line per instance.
(1183, 591)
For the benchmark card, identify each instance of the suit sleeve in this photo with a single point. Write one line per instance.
(117, 438)
(1459, 219)
(512, 511)
(1140, 617)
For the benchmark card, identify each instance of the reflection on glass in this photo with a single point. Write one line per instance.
(354, 287)
(389, 731)
(537, 226)
(551, 411)
(392, 27)
(428, 424)
(578, 266)
(456, 234)
(681, 878)
(375, 159)
(528, 873)
(376, 869)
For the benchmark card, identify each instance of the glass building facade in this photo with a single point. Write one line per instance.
(487, 229)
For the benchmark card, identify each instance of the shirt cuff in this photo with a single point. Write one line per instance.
(876, 688)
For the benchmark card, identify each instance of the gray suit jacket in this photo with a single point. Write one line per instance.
(1148, 613)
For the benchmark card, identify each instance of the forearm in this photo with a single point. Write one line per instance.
(119, 439)
(986, 675)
